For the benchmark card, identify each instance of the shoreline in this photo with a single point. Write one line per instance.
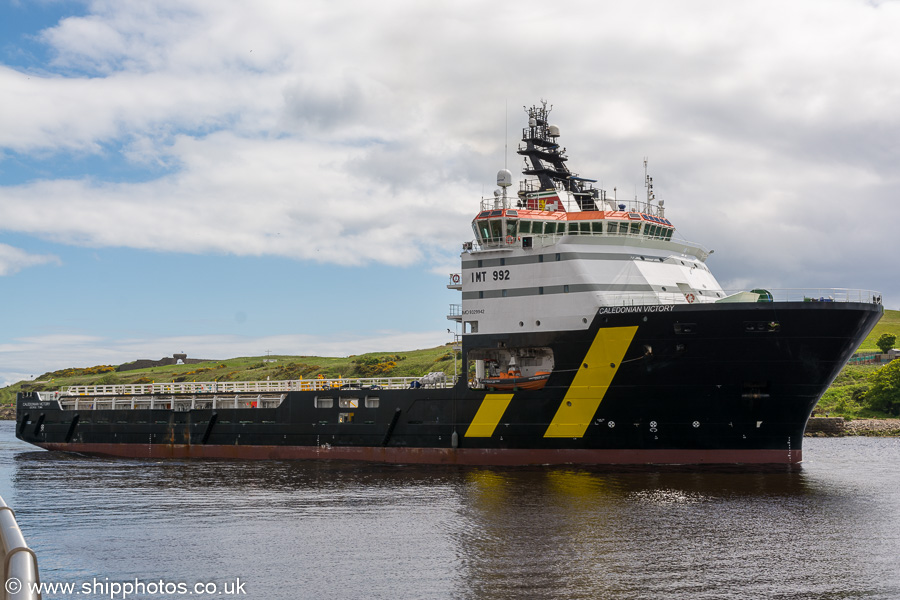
(838, 427)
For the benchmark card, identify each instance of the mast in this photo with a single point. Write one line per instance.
(548, 161)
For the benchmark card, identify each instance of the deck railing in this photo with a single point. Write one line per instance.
(432, 380)
(711, 296)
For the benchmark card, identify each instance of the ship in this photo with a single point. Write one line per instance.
(588, 332)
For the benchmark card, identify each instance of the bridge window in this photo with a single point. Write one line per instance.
(496, 229)
(612, 228)
(485, 229)
(511, 227)
(524, 227)
(552, 228)
(597, 227)
(635, 228)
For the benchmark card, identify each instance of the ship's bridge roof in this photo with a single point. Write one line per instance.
(507, 226)
(587, 215)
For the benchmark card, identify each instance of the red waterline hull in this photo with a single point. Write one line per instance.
(458, 456)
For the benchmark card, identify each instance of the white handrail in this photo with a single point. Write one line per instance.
(710, 296)
(20, 568)
(237, 387)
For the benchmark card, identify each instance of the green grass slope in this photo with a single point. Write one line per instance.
(889, 323)
(415, 363)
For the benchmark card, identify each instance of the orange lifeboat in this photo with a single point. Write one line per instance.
(513, 380)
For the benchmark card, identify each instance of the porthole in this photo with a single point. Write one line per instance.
(521, 324)
(537, 323)
(584, 319)
(611, 424)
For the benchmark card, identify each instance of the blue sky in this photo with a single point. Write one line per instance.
(226, 178)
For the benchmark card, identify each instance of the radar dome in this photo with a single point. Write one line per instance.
(504, 178)
(554, 131)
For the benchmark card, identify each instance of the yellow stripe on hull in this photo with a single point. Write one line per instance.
(488, 416)
(591, 382)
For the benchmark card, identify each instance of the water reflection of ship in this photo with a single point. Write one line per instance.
(545, 533)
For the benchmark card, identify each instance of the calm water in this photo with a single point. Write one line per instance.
(292, 530)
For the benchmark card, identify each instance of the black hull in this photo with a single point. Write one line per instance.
(715, 383)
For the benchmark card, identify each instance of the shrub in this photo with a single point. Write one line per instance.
(376, 366)
(884, 389)
(886, 342)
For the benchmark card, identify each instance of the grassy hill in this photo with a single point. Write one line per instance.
(842, 398)
(415, 363)
(889, 323)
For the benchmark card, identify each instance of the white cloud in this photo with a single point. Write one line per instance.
(246, 197)
(351, 133)
(13, 260)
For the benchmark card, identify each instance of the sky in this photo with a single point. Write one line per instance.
(226, 178)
